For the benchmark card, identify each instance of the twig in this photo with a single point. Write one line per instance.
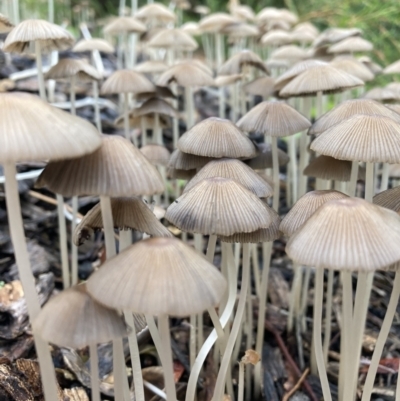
(296, 386)
(289, 359)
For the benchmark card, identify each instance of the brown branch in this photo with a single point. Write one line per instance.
(296, 386)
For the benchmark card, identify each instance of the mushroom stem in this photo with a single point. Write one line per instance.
(74, 264)
(155, 335)
(295, 296)
(383, 335)
(125, 239)
(353, 178)
(62, 228)
(97, 116)
(94, 372)
(126, 116)
(328, 314)
(241, 382)
(143, 130)
(304, 155)
(72, 95)
(157, 137)
(225, 363)
(293, 167)
(317, 330)
(163, 326)
(212, 338)
(275, 167)
(212, 241)
(249, 335)
(369, 182)
(385, 177)
(189, 107)
(221, 102)
(39, 66)
(28, 282)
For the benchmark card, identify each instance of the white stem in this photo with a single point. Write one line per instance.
(241, 382)
(189, 107)
(385, 177)
(97, 116)
(383, 335)
(125, 239)
(74, 257)
(218, 50)
(62, 228)
(275, 167)
(155, 335)
(293, 167)
(294, 295)
(143, 128)
(38, 53)
(328, 314)
(126, 116)
(256, 268)
(225, 363)
(353, 178)
(72, 95)
(317, 330)
(163, 326)
(212, 241)
(94, 372)
(157, 136)
(16, 18)
(212, 338)
(221, 102)
(192, 339)
(51, 11)
(304, 297)
(249, 334)
(155, 389)
(108, 224)
(304, 155)
(28, 282)
(369, 182)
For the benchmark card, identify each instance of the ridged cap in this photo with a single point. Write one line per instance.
(263, 159)
(151, 67)
(51, 37)
(126, 81)
(185, 74)
(363, 138)
(348, 234)
(354, 44)
(354, 67)
(348, 109)
(324, 78)
(381, 94)
(393, 68)
(216, 137)
(173, 39)
(123, 25)
(155, 11)
(334, 35)
(235, 64)
(117, 168)
(390, 199)
(128, 214)
(5, 24)
(216, 22)
(156, 105)
(74, 319)
(263, 87)
(158, 276)
(88, 45)
(289, 53)
(305, 207)
(235, 170)
(69, 67)
(219, 206)
(273, 119)
(158, 155)
(277, 37)
(186, 161)
(31, 129)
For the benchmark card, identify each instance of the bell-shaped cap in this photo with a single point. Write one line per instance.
(268, 234)
(219, 206)
(151, 67)
(128, 214)
(348, 109)
(155, 11)
(393, 68)
(216, 137)
(117, 168)
(354, 67)
(235, 170)
(216, 22)
(185, 74)
(364, 138)
(50, 37)
(173, 39)
(334, 35)
(277, 37)
(31, 129)
(290, 53)
(240, 30)
(381, 94)
(351, 45)
(263, 160)
(158, 155)
(329, 168)
(348, 234)
(126, 81)
(74, 319)
(235, 64)
(158, 276)
(69, 67)
(305, 207)
(89, 45)
(186, 161)
(5, 24)
(225, 80)
(324, 78)
(273, 118)
(122, 25)
(263, 86)
(156, 105)
(191, 28)
(390, 199)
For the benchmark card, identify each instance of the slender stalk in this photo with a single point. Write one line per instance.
(225, 363)
(192, 339)
(295, 295)
(353, 178)
(62, 228)
(385, 177)
(157, 136)
(16, 18)
(304, 297)
(293, 167)
(28, 282)
(94, 372)
(74, 257)
(249, 334)
(126, 116)
(143, 128)
(155, 335)
(189, 100)
(221, 102)
(275, 167)
(383, 335)
(317, 330)
(72, 95)
(328, 314)
(125, 239)
(51, 11)
(168, 366)
(38, 53)
(304, 155)
(369, 182)
(212, 241)
(256, 268)
(241, 382)
(97, 116)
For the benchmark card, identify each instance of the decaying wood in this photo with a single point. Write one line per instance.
(15, 349)
(75, 394)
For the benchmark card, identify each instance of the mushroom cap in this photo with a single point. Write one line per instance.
(155, 11)
(216, 22)
(128, 214)
(273, 118)
(323, 78)
(354, 67)
(117, 168)
(185, 74)
(31, 129)
(192, 28)
(89, 45)
(186, 161)
(148, 120)
(216, 137)
(381, 94)
(350, 108)
(334, 35)
(348, 234)
(178, 174)
(158, 155)
(151, 67)
(290, 53)
(50, 36)
(69, 67)
(329, 168)
(277, 37)
(393, 68)
(158, 276)
(219, 206)
(235, 170)
(240, 30)
(225, 80)
(263, 86)
(390, 199)
(126, 81)
(367, 138)
(156, 105)
(263, 159)
(235, 64)
(74, 319)
(351, 45)
(5, 24)
(123, 25)
(174, 39)
(305, 207)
